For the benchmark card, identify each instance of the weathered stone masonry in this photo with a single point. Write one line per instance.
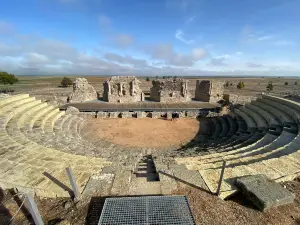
(82, 91)
(170, 90)
(209, 91)
(122, 90)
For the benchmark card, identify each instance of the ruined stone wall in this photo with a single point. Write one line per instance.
(209, 91)
(239, 99)
(170, 90)
(82, 91)
(120, 89)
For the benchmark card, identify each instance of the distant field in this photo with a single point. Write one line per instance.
(255, 85)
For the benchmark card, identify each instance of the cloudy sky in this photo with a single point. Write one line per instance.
(150, 37)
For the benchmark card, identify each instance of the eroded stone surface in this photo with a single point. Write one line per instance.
(209, 91)
(82, 91)
(120, 89)
(72, 110)
(170, 90)
(263, 192)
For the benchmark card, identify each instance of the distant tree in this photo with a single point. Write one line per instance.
(164, 77)
(174, 77)
(156, 77)
(7, 78)
(270, 86)
(147, 79)
(286, 83)
(230, 84)
(296, 83)
(66, 82)
(226, 84)
(240, 85)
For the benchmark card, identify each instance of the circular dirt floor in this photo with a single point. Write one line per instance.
(143, 132)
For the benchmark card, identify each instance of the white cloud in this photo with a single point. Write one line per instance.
(238, 53)
(125, 60)
(249, 35)
(124, 40)
(180, 36)
(198, 53)
(264, 38)
(166, 53)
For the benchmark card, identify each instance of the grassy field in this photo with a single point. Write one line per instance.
(253, 85)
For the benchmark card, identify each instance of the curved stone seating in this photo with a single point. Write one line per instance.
(251, 124)
(288, 106)
(31, 120)
(293, 114)
(232, 124)
(281, 115)
(29, 166)
(274, 123)
(225, 127)
(10, 108)
(278, 157)
(63, 137)
(218, 128)
(261, 123)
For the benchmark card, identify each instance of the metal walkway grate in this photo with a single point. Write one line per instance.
(148, 210)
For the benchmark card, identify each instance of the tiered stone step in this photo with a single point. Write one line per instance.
(275, 156)
(261, 123)
(32, 167)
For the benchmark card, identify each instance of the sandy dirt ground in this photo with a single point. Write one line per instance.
(207, 209)
(142, 132)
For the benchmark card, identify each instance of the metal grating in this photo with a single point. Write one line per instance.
(148, 210)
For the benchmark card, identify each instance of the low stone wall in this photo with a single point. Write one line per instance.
(87, 114)
(239, 99)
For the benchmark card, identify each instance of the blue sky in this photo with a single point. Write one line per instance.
(150, 37)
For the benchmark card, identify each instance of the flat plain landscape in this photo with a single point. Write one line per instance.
(50, 85)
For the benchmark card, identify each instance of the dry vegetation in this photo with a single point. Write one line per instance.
(206, 208)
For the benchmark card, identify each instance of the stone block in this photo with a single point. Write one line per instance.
(87, 114)
(122, 89)
(264, 193)
(155, 115)
(140, 114)
(192, 114)
(82, 91)
(102, 115)
(209, 91)
(125, 114)
(114, 114)
(181, 114)
(169, 115)
(170, 90)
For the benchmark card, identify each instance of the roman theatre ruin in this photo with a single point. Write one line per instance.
(123, 142)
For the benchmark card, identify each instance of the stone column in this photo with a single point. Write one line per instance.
(155, 115)
(140, 114)
(169, 115)
(181, 114)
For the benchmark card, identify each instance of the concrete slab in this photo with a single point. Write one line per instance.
(264, 193)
